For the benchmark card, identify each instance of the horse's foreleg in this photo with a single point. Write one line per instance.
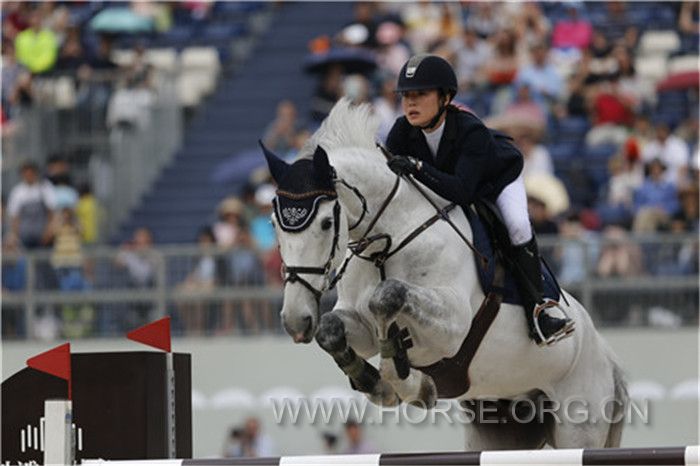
(332, 337)
(390, 298)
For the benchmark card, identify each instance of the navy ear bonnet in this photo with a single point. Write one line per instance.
(301, 188)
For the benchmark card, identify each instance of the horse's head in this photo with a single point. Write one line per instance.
(312, 235)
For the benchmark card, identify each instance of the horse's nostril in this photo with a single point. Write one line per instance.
(307, 323)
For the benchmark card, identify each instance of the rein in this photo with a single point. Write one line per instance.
(380, 257)
(481, 257)
(360, 245)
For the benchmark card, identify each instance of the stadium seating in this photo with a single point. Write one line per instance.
(235, 109)
(232, 119)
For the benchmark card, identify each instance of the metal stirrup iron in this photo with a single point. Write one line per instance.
(560, 334)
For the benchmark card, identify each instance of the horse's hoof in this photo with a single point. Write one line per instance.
(384, 395)
(331, 333)
(427, 396)
(388, 299)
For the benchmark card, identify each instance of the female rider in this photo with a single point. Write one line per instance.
(451, 152)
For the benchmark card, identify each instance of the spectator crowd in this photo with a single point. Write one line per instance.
(610, 151)
(44, 41)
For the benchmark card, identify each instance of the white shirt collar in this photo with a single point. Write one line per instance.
(433, 139)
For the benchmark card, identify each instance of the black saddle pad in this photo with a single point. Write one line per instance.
(482, 243)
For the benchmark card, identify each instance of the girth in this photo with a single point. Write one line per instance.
(451, 375)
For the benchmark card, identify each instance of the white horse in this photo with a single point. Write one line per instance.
(327, 199)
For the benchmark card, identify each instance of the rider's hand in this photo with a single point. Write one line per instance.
(402, 165)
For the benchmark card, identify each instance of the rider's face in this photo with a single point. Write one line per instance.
(420, 106)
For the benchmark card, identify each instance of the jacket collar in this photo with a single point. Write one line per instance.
(447, 141)
(448, 137)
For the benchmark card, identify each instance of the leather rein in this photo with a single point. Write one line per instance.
(379, 258)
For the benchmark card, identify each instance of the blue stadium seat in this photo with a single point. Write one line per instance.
(215, 34)
(178, 37)
(600, 153)
(663, 17)
(599, 176)
(578, 125)
(690, 44)
(81, 14)
(674, 96)
(598, 17)
(232, 10)
(596, 164)
(565, 150)
(671, 118)
(570, 129)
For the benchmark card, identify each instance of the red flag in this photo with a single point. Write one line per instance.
(56, 362)
(156, 334)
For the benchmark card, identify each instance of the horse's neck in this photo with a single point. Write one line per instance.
(406, 212)
(370, 175)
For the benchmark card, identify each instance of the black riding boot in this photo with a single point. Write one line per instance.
(529, 277)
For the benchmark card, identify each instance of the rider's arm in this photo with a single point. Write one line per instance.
(476, 151)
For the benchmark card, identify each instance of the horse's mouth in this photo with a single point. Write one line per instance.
(304, 336)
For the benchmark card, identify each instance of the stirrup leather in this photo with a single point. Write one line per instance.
(560, 334)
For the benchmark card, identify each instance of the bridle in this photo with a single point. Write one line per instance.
(379, 258)
(292, 273)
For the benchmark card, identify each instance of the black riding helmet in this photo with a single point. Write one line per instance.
(424, 72)
(427, 72)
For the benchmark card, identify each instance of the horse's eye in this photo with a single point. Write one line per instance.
(326, 223)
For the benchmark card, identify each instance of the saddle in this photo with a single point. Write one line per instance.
(491, 239)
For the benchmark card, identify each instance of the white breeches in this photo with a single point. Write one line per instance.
(512, 202)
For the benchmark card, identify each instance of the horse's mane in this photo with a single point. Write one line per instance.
(348, 125)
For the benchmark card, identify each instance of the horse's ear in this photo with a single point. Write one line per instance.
(278, 167)
(321, 164)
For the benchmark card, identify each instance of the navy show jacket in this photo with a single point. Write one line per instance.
(473, 161)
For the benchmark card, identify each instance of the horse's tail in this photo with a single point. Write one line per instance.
(621, 402)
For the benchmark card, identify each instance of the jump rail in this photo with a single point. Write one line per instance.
(689, 455)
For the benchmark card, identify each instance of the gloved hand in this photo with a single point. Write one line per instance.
(402, 165)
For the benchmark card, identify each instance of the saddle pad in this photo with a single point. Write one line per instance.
(482, 243)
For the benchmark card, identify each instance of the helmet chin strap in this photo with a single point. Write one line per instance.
(445, 101)
(435, 120)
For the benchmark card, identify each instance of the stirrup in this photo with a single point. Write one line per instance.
(560, 334)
